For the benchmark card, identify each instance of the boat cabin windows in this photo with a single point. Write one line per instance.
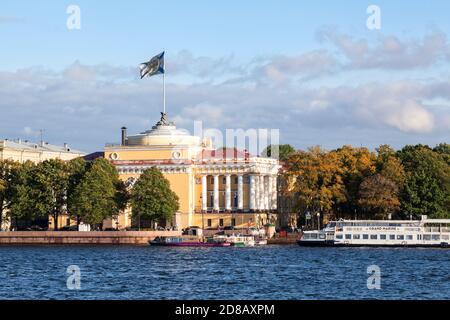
(348, 236)
(400, 237)
(356, 236)
(429, 237)
(373, 237)
(409, 237)
(339, 236)
(365, 236)
(392, 237)
(382, 237)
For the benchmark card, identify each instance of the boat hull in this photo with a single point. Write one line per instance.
(333, 244)
(189, 244)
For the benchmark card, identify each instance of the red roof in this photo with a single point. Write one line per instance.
(224, 154)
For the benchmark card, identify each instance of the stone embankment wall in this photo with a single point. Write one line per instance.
(76, 237)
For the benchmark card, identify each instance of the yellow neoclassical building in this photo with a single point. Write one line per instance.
(216, 188)
(24, 150)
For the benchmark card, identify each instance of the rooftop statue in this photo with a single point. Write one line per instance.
(164, 121)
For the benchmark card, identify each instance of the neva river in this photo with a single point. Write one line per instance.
(272, 272)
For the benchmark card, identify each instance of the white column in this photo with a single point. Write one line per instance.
(266, 193)
(274, 193)
(228, 192)
(256, 192)
(261, 193)
(269, 196)
(240, 192)
(252, 193)
(216, 193)
(204, 193)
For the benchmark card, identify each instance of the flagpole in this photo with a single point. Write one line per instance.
(164, 86)
(164, 91)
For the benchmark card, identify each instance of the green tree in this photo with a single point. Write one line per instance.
(77, 169)
(444, 150)
(48, 189)
(427, 184)
(152, 198)
(7, 172)
(96, 196)
(284, 151)
(21, 204)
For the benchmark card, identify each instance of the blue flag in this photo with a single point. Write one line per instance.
(152, 67)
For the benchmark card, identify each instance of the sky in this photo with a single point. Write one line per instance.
(312, 69)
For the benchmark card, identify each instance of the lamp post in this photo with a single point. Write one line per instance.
(318, 221)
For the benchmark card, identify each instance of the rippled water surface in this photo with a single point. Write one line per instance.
(272, 272)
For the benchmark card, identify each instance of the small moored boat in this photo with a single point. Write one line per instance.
(188, 241)
(241, 240)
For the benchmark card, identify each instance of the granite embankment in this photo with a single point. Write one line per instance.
(80, 238)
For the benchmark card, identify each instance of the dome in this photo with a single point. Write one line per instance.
(164, 133)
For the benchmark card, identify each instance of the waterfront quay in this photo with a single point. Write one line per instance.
(82, 238)
(106, 237)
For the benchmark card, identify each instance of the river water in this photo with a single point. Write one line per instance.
(271, 272)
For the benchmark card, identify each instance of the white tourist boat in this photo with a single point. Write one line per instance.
(389, 233)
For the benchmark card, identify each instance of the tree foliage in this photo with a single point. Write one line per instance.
(379, 195)
(283, 151)
(97, 194)
(349, 180)
(152, 198)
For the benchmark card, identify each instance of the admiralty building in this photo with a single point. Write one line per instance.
(216, 187)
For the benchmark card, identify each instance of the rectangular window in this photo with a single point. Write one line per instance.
(209, 223)
(365, 236)
(392, 237)
(356, 236)
(400, 237)
(382, 237)
(233, 222)
(409, 237)
(348, 236)
(427, 237)
(373, 237)
(221, 222)
(339, 236)
(436, 237)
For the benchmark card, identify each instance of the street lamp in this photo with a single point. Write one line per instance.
(318, 221)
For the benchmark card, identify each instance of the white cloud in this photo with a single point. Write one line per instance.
(390, 52)
(87, 104)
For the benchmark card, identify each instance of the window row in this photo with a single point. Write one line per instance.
(399, 237)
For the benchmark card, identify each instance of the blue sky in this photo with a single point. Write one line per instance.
(245, 64)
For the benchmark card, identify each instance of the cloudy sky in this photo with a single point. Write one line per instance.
(311, 69)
